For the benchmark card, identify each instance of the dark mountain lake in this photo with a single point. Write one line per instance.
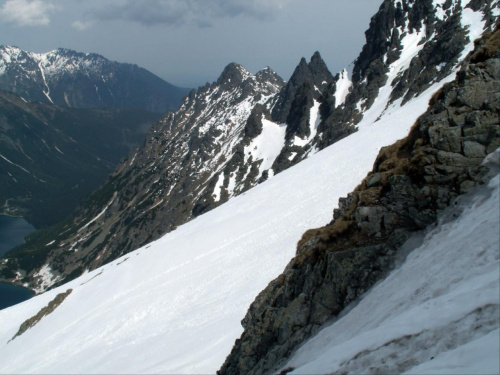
(12, 233)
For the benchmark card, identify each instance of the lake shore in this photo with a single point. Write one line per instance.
(13, 231)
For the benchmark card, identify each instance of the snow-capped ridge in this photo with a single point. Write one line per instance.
(54, 62)
(193, 149)
(176, 304)
(408, 48)
(163, 307)
(75, 79)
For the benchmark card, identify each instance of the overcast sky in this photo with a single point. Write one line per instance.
(189, 42)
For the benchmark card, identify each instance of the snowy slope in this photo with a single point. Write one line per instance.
(439, 310)
(175, 305)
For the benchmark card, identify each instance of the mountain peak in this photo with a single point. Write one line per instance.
(65, 51)
(8, 48)
(315, 72)
(269, 75)
(233, 74)
(266, 70)
(318, 66)
(320, 73)
(8, 53)
(314, 75)
(316, 56)
(72, 53)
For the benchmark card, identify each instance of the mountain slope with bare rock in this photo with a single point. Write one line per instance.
(231, 135)
(411, 182)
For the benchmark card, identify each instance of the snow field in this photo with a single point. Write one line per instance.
(314, 121)
(342, 88)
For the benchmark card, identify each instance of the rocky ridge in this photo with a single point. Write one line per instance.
(409, 46)
(158, 187)
(411, 182)
(84, 80)
(230, 135)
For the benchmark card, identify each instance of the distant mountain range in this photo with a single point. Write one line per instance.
(84, 80)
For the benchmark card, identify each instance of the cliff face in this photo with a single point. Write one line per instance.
(411, 182)
(437, 32)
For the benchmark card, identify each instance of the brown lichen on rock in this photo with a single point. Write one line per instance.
(31, 322)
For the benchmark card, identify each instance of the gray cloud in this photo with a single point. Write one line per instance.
(196, 12)
(82, 25)
(27, 12)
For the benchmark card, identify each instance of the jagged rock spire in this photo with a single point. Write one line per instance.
(320, 73)
(269, 75)
(314, 74)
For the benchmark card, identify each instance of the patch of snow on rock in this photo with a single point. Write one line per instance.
(342, 88)
(267, 145)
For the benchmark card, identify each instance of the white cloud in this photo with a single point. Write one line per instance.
(82, 25)
(27, 12)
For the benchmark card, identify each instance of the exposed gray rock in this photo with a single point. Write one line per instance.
(446, 138)
(474, 149)
(314, 74)
(169, 180)
(195, 159)
(434, 61)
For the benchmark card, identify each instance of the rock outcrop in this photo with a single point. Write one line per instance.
(34, 320)
(443, 36)
(411, 182)
(167, 181)
(310, 75)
